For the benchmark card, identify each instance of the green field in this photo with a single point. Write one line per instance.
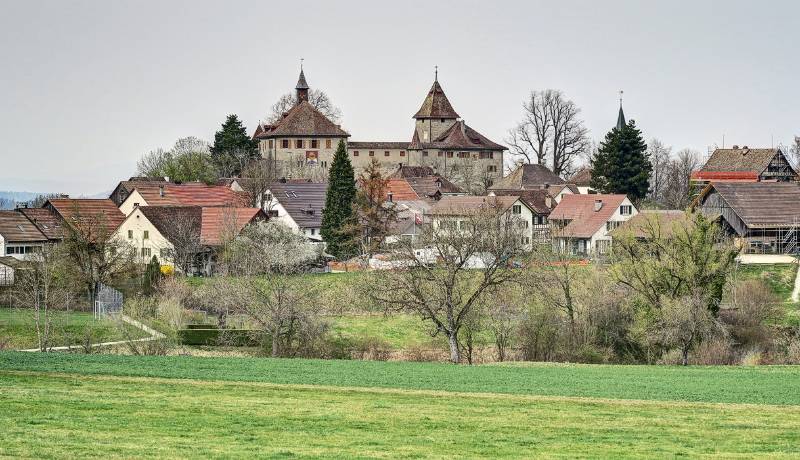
(56, 405)
(18, 328)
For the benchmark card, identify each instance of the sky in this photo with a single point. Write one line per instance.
(87, 87)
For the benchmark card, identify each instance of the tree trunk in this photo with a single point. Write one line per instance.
(685, 354)
(275, 342)
(455, 354)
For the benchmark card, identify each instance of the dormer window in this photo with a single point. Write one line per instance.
(626, 210)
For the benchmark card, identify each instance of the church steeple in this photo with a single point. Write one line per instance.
(302, 86)
(621, 117)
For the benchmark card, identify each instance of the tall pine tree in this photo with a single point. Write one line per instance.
(622, 164)
(338, 210)
(233, 148)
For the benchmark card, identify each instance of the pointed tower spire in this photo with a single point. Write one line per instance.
(302, 86)
(436, 104)
(621, 117)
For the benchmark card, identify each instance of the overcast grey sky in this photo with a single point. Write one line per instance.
(87, 87)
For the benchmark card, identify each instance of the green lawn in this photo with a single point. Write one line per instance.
(18, 328)
(56, 405)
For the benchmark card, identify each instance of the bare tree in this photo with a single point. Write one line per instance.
(44, 286)
(684, 322)
(677, 191)
(269, 247)
(660, 159)
(450, 268)
(551, 128)
(316, 97)
(504, 313)
(183, 229)
(256, 178)
(570, 137)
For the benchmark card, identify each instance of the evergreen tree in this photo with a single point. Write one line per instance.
(233, 148)
(622, 164)
(338, 210)
(152, 274)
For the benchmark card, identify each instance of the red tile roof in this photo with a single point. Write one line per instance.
(47, 221)
(192, 194)
(726, 176)
(220, 223)
(457, 137)
(580, 211)
(301, 120)
(466, 205)
(88, 211)
(401, 190)
(15, 227)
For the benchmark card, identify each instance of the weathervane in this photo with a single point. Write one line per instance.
(436, 73)
(620, 97)
(301, 64)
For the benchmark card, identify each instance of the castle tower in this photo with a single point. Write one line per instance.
(302, 87)
(436, 114)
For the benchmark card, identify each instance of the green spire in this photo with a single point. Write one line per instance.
(621, 117)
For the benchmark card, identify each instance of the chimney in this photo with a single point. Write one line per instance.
(598, 205)
(735, 147)
(161, 191)
(389, 197)
(548, 201)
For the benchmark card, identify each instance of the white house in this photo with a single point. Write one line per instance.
(580, 224)
(453, 212)
(298, 205)
(19, 237)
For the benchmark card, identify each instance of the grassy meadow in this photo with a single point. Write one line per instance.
(109, 406)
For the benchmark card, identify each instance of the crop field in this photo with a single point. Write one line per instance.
(56, 405)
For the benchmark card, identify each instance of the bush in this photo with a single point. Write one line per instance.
(753, 307)
(714, 352)
(751, 358)
(372, 348)
(215, 336)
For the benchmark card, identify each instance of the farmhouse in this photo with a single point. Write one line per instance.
(298, 205)
(745, 165)
(533, 177)
(186, 236)
(761, 217)
(99, 218)
(19, 237)
(126, 187)
(580, 224)
(186, 194)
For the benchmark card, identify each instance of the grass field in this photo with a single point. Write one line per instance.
(18, 328)
(123, 406)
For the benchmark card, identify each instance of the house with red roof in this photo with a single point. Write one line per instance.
(580, 224)
(744, 165)
(185, 194)
(185, 237)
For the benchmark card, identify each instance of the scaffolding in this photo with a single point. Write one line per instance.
(777, 239)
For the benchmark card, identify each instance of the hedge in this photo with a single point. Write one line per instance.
(233, 337)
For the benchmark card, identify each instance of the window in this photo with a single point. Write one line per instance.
(463, 154)
(424, 153)
(491, 168)
(146, 252)
(386, 153)
(440, 154)
(298, 143)
(324, 164)
(540, 220)
(355, 153)
(626, 210)
(135, 205)
(372, 153)
(163, 253)
(270, 143)
(612, 224)
(314, 143)
(313, 231)
(285, 143)
(130, 234)
(146, 235)
(402, 153)
(327, 143)
(516, 209)
(449, 154)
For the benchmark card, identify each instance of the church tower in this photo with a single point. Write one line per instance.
(436, 114)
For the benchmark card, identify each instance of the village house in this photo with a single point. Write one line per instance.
(744, 165)
(410, 218)
(298, 205)
(583, 180)
(185, 194)
(97, 217)
(533, 177)
(762, 217)
(581, 224)
(453, 213)
(409, 183)
(19, 237)
(126, 187)
(541, 204)
(191, 232)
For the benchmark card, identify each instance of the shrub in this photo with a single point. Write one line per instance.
(751, 358)
(372, 348)
(753, 307)
(712, 352)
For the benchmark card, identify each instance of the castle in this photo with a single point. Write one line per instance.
(304, 137)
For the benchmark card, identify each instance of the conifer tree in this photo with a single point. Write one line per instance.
(233, 148)
(338, 210)
(621, 164)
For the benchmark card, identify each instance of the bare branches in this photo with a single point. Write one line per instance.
(551, 128)
(316, 97)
